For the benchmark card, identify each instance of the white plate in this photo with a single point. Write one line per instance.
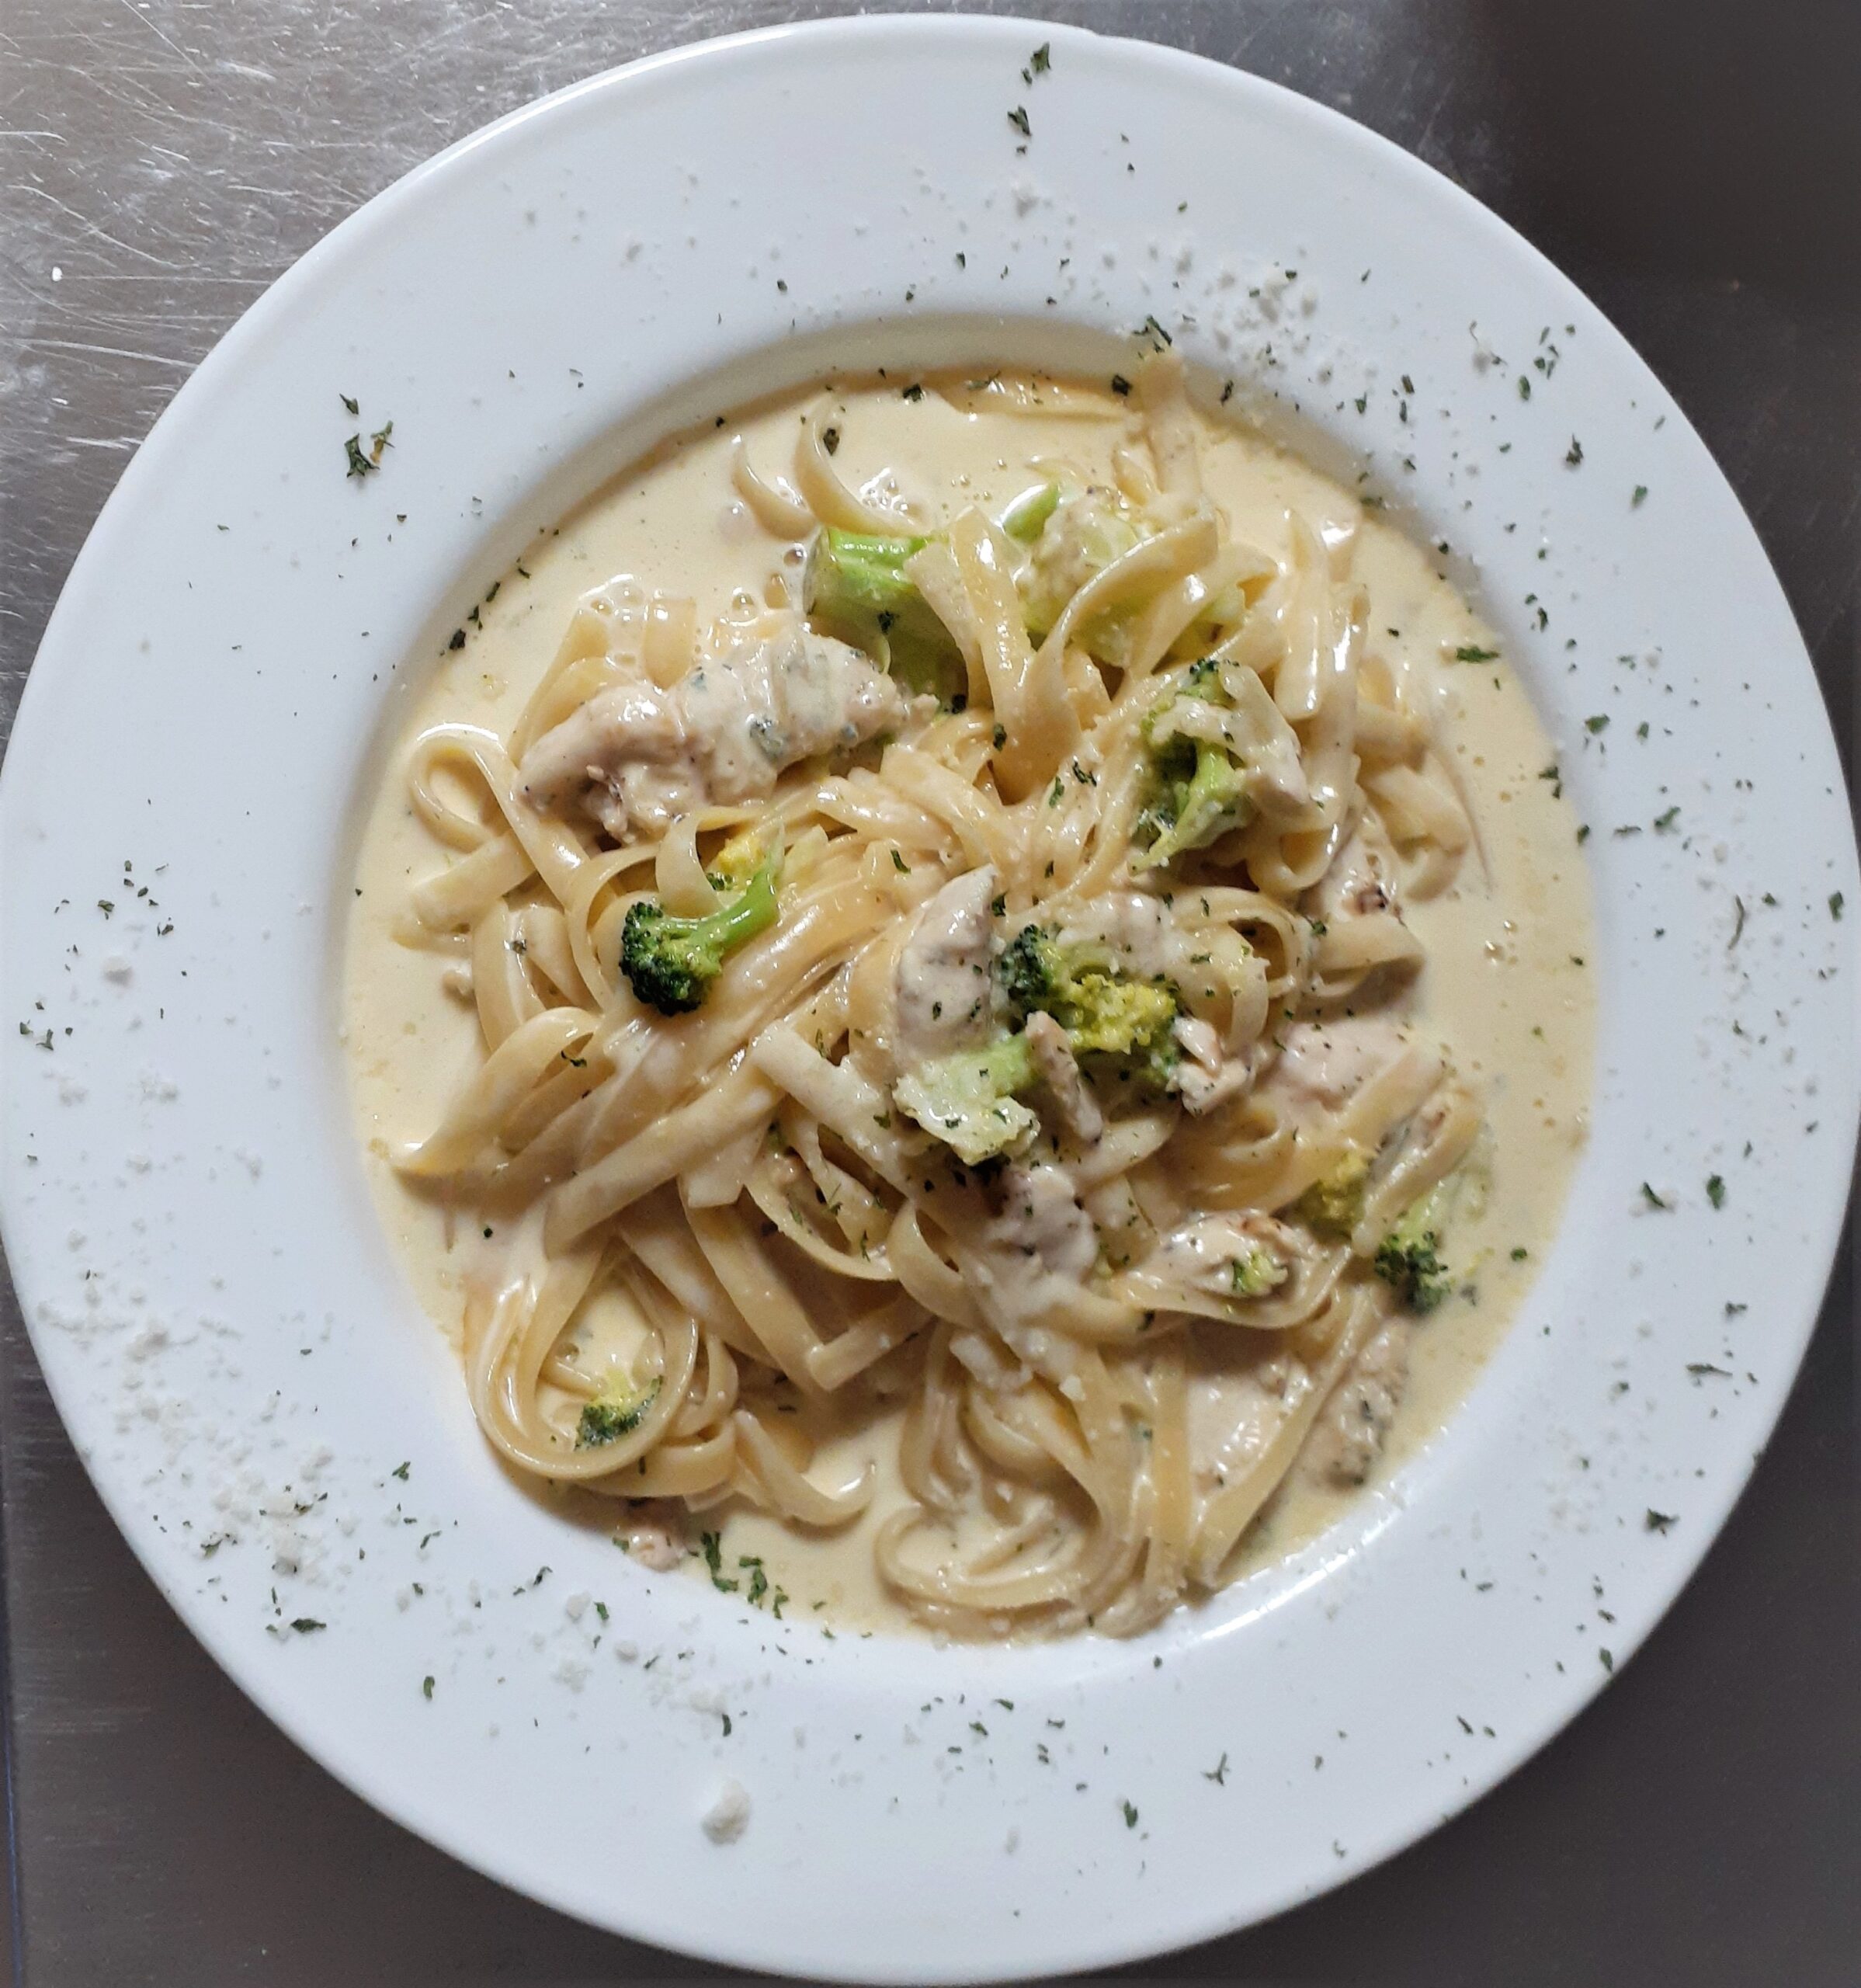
(225, 1332)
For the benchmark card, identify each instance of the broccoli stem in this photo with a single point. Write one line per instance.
(856, 582)
(854, 575)
(670, 962)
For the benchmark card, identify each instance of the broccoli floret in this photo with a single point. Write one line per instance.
(609, 1416)
(1030, 971)
(1195, 793)
(1257, 1271)
(1130, 1020)
(856, 582)
(737, 861)
(855, 573)
(1333, 1204)
(1195, 789)
(1104, 1013)
(1202, 679)
(1408, 1258)
(672, 961)
(967, 1100)
(1078, 539)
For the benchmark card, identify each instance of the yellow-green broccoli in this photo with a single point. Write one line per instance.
(1195, 789)
(613, 1414)
(1333, 1204)
(968, 1099)
(1078, 538)
(1257, 1271)
(1104, 1013)
(1195, 794)
(737, 860)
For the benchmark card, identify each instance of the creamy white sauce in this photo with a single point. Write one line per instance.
(1505, 984)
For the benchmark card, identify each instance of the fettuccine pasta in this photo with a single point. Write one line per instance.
(937, 1049)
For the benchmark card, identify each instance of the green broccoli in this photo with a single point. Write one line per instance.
(856, 582)
(1105, 1013)
(609, 1416)
(1194, 793)
(1079, 537)
(1195, 789)
(1408, 1258)
(672, 961)
(968, 1099)
(1333, 1204)
(1258, 1271)
(1030, 971)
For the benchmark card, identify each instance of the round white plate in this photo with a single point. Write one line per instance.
(224, 1329)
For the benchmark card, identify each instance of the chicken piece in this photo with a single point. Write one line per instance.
(1030, 1268)
(1321, 1063)
(942, 985)
(626, 751)
(1205, 1078)
(779, 693)
(1349, 1435)
(769, 694)
(1051, 1053)
(1043, 1222)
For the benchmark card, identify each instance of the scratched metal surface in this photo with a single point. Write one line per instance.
(160, 162)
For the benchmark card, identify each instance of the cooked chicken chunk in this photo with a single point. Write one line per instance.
(1223, 1256)
(778, 693)
(943, 979)
(1051, 1053)
(1205, 1077)
(1349, 1435)
(626, 750)
(770, 693)
(1043, 1222)
(1321, 1063)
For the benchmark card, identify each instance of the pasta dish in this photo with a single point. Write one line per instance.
(979, 1007)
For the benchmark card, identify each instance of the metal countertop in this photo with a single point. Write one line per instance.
(1697, 169)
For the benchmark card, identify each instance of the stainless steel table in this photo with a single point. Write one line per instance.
(1697, 167)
